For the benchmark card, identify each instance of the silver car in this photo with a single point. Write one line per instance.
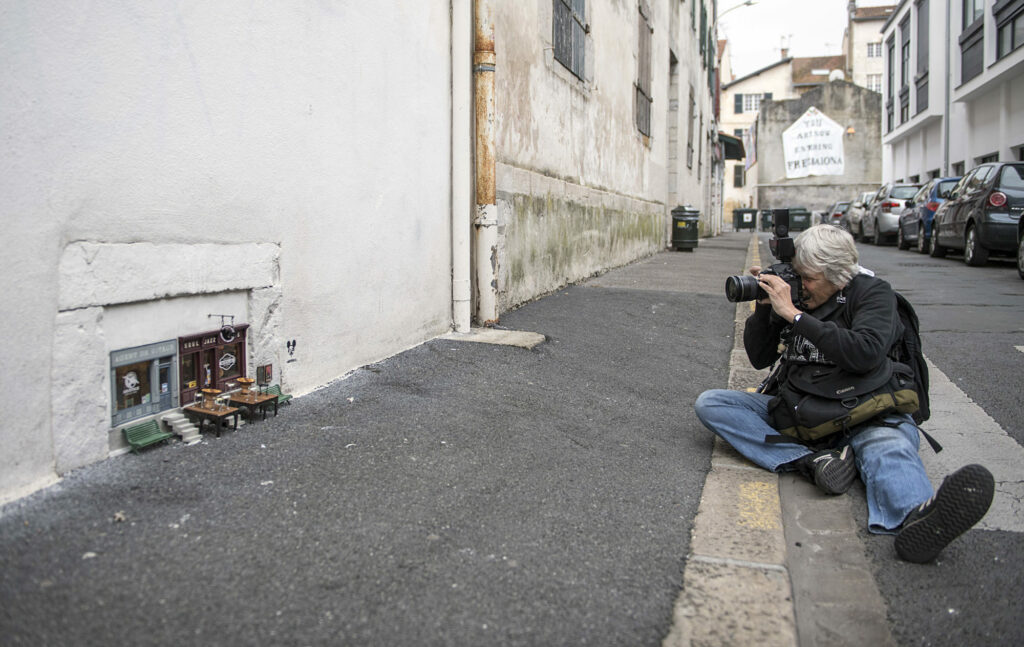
(860, 206)
(883, 220)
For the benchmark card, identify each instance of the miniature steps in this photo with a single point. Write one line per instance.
(181, 425)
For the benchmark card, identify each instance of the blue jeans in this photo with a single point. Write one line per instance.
(887, 457)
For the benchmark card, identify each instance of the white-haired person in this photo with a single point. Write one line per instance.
(849, 320)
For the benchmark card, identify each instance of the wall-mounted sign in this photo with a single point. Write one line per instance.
(813, 145)
(265, 374)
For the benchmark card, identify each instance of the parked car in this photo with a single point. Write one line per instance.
(1020, 247)
(858, 207)
(982, 213)
(883, 219)
(834, 214)
(916, 219)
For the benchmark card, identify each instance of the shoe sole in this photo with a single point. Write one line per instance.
(838, 479)
(962, 500)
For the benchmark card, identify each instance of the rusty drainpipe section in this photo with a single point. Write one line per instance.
(485, 223)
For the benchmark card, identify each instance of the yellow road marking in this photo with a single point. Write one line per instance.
(759, 505)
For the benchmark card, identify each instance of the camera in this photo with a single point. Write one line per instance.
(746, 287)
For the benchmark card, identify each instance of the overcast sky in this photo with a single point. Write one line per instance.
(757, 33)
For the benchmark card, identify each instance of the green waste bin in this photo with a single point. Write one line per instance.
(799, 219)
(685, 228)
(767, 222)
(744, 219)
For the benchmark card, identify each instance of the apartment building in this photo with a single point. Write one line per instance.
(953, 87)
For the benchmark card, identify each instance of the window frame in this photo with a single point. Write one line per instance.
(921, 78)
(1008, 14)
(642, 88)
(155, 358)
(569, 35)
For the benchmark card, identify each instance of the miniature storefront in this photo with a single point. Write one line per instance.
(211, 360)
(146, 380)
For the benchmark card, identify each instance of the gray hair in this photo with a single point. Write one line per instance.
(829, 250)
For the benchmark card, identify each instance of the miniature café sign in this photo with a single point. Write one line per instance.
(813, 145)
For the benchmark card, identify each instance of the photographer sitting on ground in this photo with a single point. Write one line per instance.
(849, 321)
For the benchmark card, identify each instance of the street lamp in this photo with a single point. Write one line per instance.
(748, 3)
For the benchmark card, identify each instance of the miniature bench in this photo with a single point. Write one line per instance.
(282, 398)
(145, 434)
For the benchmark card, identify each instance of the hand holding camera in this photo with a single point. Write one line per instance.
(761, 285)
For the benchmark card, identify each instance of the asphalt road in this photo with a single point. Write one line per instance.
(455, 494)
(972, 319)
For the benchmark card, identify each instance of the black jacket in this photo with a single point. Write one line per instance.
(856, 335)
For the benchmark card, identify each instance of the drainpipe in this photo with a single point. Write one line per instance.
(486, 221)
(947, 82)
(462, 163)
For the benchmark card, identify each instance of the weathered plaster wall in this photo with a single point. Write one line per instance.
(174, 150)
(846, 104)
(556, 232)
(580, 188)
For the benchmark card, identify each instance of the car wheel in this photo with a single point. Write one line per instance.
(975, 253)
(877, 235)
(1020, 257)
(937, 250)
(900, 241)
(922, 242)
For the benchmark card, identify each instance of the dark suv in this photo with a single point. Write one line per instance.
(981, 214)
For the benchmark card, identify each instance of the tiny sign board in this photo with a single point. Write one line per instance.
(813, 145)
(265, 374)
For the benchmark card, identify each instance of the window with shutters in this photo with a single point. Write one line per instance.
(921, 78)
(905, 69)
(643, 74)
(569, 37)
(737, 176)
(890, 81)
(1009, 17)
(972, 39)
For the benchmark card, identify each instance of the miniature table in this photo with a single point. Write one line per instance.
(216, 415)
(252, 401)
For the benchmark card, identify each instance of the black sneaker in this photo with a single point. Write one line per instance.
(962, 500)
(832, 470)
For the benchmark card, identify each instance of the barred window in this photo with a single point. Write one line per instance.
(569, 35)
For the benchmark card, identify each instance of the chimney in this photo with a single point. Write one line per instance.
(785, 52)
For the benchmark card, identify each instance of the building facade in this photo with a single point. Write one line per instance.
(200, 192)
(741, 101)
(854, 112)
(953, 87)
(862, 44)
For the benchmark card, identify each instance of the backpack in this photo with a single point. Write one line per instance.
(907, 350)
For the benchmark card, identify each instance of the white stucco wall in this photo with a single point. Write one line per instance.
(197, 142)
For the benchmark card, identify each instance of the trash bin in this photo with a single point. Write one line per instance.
(744, 219)
(685, 228)
(799, 219)
(767, 222)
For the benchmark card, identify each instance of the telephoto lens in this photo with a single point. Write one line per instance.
(743, 288)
